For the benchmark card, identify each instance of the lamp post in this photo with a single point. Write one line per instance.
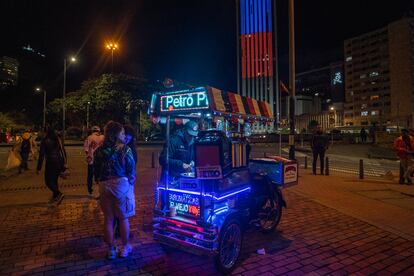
(87, 116)
(292, 79)
(112, 46)
(38, 89)
(332, 109)
(72, 60)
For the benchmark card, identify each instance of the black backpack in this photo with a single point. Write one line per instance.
(25, 146)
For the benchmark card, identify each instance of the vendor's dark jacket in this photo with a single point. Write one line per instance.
(179, 152)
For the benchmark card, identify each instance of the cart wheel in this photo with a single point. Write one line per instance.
(230, 244)
(271, 213)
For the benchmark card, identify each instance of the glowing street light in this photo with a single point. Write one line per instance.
(72, 59)
(38, 90)
(112, 47)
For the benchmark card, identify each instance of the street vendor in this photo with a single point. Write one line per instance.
(180, 151)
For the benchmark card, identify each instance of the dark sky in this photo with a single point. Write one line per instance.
(191, 41)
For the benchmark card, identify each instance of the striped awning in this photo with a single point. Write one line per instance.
(236, 103)
(223, 101)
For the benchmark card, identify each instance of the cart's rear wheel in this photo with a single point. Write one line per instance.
(230, 244)
(271, 213)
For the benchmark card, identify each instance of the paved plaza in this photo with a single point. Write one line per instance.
(319, 234)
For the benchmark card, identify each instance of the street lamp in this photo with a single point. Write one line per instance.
(112, 46)
(292, 78)
(87, 116)
(38, 89)
(332, 109)
(72, 60)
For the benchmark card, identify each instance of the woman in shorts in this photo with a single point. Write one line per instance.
(115, 169)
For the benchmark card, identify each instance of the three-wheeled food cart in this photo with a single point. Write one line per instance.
(205, 211)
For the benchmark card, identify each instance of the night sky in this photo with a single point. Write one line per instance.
(191, 41)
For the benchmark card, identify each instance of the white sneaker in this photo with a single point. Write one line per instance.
(125, 251)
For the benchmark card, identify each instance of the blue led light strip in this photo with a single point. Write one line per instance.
(206, 195)
(231, 194)
(179, 191)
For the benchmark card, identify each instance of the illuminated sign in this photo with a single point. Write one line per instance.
(184, 101)
(290, 173)
(210, 172)
(337, 79)
(185, 204)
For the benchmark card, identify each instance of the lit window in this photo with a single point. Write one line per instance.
(373, 74)
(374, 98)
(363, 76)
(363, 106)
(364, 113)
(374, 113)
(348, 59)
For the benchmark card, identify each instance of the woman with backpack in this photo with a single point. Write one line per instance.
(52, 149)
(115, 170)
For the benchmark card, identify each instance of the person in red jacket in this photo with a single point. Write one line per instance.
(404, 147)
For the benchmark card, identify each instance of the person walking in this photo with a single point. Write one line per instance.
(91, 144)
(115, 171)
(25, 149)
(52, 149)
(319, 145)
(363, 135)
(404, 148)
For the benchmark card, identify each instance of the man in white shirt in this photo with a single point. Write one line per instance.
(92, 143)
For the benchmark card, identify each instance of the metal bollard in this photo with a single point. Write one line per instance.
(326, 165)
(152, 160)
(306, 162)
(361, 169)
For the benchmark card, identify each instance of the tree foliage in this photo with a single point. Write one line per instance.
(10, 121)
(110, 97)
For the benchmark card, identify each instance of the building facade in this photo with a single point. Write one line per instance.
(379, 76)
(257, 61)
(327, 120)
(324, 84)
(9, 69)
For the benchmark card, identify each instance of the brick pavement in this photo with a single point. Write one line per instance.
(313, 239)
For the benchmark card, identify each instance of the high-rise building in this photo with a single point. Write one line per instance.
(379, 76)
(9, 68)
(324, 83)
(257, 63)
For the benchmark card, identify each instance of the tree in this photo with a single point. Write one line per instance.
(12, 121)
(111, 97)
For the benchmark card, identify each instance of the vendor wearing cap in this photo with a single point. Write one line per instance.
(92, 143)
(180, 150)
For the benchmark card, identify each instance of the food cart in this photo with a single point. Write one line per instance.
(205, 211)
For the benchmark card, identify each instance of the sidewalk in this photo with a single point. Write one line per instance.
(332, 225)
(385, 204)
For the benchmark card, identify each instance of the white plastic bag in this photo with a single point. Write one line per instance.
(13, 161)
